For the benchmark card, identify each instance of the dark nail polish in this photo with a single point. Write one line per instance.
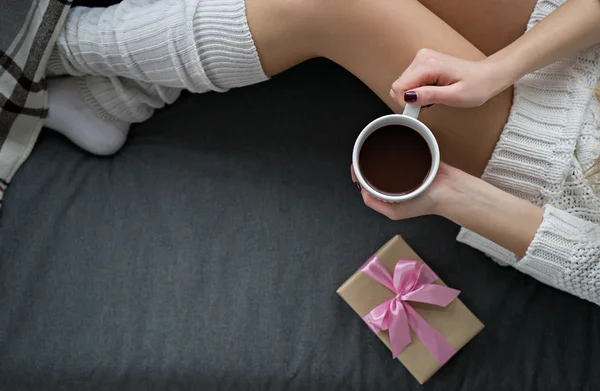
(410, 96)
(358, 187)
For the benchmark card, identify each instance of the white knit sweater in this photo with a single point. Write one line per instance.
(551, 139)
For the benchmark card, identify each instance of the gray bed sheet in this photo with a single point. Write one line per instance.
(206, 256)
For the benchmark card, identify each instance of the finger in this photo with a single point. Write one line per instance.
(414, 78)
(384, 208)
(427, 95)
(355, 180)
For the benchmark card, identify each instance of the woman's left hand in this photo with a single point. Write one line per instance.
(425, 204)
(471, 203)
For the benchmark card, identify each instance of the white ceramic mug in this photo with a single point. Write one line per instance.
(409, 119)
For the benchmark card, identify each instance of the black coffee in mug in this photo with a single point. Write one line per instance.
(395, 159)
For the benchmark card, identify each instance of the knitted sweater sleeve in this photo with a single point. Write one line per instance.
(565, 254)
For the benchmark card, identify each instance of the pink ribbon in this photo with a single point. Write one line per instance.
(412, 281)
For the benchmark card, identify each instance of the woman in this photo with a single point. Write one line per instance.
(543, 215)
(138, 56)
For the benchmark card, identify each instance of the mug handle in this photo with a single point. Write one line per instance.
(412, 110)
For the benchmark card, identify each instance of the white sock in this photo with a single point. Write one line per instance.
(69, 115)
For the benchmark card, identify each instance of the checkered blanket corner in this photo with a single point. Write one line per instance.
(28, 31)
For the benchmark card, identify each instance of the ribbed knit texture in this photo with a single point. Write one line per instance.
(550, 140)
(140, 54)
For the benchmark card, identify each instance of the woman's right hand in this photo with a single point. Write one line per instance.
(437, 78)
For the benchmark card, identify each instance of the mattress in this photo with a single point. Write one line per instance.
(206, 255)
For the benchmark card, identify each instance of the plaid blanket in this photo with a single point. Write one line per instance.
(28, 31)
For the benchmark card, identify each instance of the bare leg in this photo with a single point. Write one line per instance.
(376, 40)
(488, 25)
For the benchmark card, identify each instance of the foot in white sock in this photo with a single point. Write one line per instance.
(69, 115)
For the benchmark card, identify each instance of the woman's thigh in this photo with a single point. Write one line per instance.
(377, 39)
(468, 137)
(488, 25)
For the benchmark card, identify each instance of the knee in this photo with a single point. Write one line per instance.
(308, 16)
(291, 11)
(284, 31)
(312, 22)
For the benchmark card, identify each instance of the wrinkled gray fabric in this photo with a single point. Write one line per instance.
(208, 259)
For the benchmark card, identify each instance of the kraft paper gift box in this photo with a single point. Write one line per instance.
(449, 325)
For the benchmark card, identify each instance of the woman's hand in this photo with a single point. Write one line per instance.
(434, 77)
(438, 78)
(471, 203)
(425, 204)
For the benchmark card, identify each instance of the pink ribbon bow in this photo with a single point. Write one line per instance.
(412, 281)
